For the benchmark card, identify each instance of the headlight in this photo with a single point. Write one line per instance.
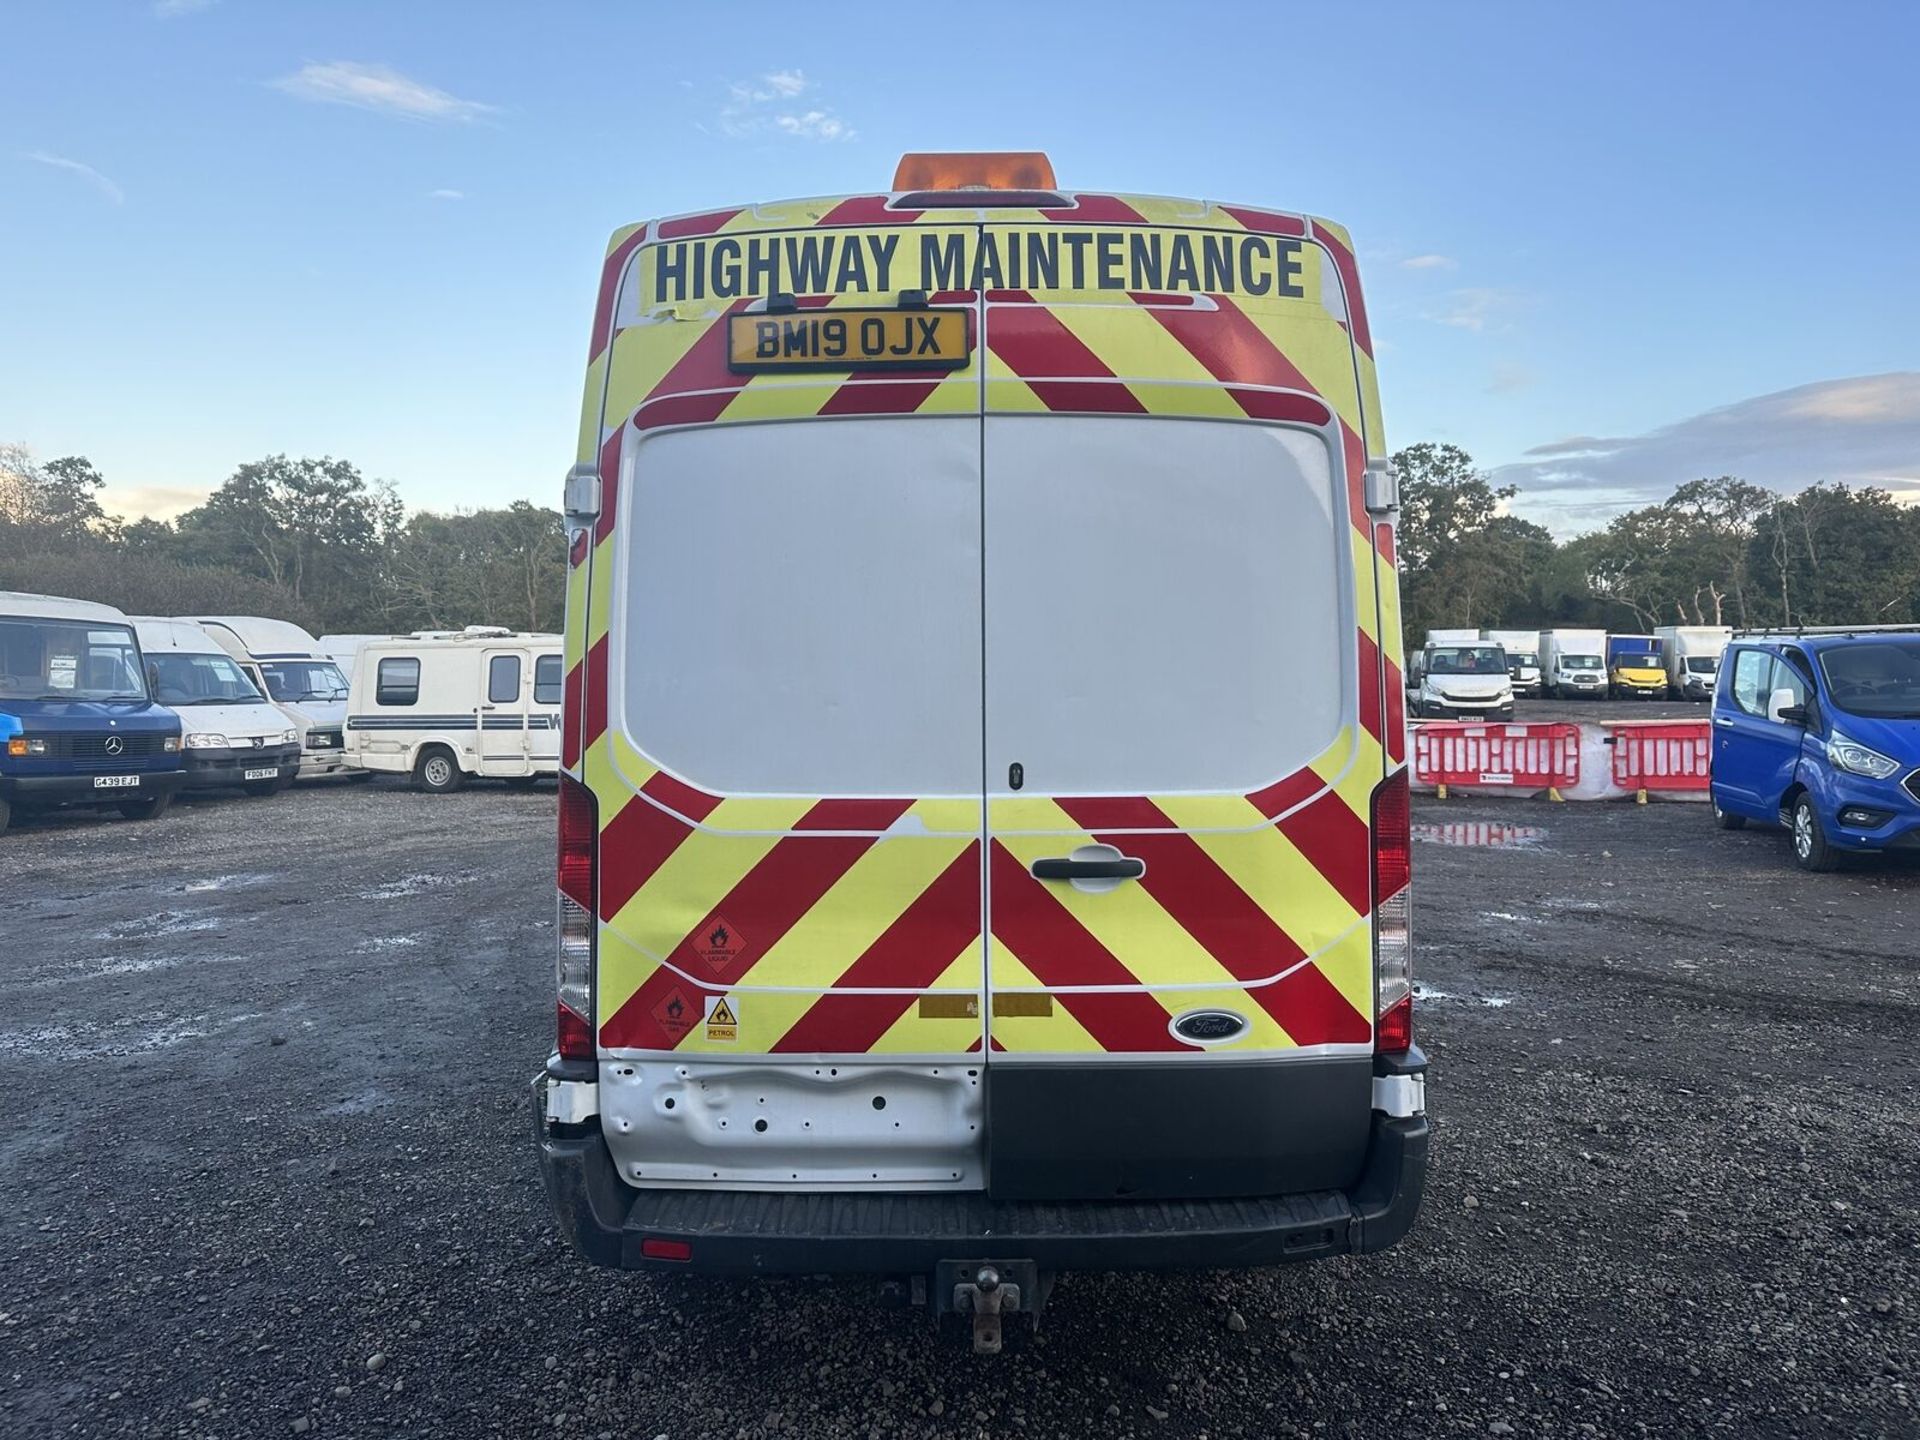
(171, 745)
(206, 740)
(287, 737)
(1857, 759)
(21, 746)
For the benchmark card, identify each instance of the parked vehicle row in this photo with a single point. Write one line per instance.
(105, 710)
(1677, 661)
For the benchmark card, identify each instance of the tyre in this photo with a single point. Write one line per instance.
(1810, 846)
(6, 814)
(1728, 821)
(150, 807)
(437, 772)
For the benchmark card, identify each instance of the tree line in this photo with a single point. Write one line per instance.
(307, 540)
(1717, 551)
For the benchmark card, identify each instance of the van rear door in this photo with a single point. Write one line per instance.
(1178, 776)
(784, 741)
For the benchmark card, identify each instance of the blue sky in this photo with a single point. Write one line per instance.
(1607, 248)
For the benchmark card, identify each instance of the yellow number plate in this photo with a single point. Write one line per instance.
(848, 340)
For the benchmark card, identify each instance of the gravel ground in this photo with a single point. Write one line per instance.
(1593, 712)
(277, 1175)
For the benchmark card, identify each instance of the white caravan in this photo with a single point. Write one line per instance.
(342, 648)
(1573, 663)
(298, 676)
(446, 708)
(231, 737)
(1692, 655)
(1523, 657)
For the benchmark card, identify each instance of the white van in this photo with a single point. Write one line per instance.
(1523, 657)
(1573, 663)
(288, 664)
(1692, 657)
(230, 735)
(1463, 679)
(444, 708)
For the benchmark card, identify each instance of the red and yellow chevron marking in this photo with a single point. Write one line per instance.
(840, 926)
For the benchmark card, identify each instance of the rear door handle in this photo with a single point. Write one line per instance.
(1062, 867)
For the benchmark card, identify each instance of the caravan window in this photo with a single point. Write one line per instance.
(547, 680)
(399, 681)
(503, 679)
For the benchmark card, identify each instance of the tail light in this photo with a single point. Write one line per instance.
(573, 960)
(1392, 937)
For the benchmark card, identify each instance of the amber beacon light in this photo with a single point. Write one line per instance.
(975, 170)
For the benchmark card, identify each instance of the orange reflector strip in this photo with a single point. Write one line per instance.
(975, 170)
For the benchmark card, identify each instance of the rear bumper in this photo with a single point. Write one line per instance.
(770, 1233)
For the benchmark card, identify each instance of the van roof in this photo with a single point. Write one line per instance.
(491, 637)
(55, 607)
(263, 636)
(162, 632)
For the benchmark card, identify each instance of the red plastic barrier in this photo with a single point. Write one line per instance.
(1526, 757)
(1660, 755)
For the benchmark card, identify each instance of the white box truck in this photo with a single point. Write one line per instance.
(1523, 657)
(1573, 663)
(297, 675)
(1692, 654)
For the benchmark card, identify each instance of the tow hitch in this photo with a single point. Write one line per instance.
(989, 1290)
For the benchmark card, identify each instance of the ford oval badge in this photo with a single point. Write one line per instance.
(1209, 1027)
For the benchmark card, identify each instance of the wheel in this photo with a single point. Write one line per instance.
(150, 807)
(438, 772)
(1810, 846)
(1728, 822)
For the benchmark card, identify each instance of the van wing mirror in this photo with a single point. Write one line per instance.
(582, 496)
(1782, 706)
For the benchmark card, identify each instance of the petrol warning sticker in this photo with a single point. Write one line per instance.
(723, 1026)
(719, 944)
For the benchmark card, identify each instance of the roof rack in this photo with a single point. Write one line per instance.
(1767, 631)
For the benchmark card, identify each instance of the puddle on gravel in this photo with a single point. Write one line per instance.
(239, 881)
(136, 1035)
(164, 922)
(365, 1103)
(1481, 834)
(412, 885)
(1424, 993)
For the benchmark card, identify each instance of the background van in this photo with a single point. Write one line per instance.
(288, 666)
(232, 735)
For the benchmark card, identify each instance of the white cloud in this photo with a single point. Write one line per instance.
(169, 9)
(757, 107)
(150, 502)
(378, 88)
(1864, 430)
(813, 125)
(1473, 309)
(1429, 262)
(86, 172)
(446, 194)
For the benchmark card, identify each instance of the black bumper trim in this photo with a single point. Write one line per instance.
(221, 769)
(79, 789)
(771, 1233)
